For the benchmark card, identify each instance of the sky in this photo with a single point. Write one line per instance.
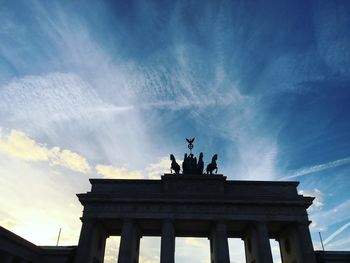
(108, 89)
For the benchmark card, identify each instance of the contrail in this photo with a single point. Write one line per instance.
(337, 232)
(317, 168)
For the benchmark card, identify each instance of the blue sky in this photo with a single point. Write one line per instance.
(109, 89)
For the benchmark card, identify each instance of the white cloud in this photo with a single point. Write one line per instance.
(18, 145)
(318, 202)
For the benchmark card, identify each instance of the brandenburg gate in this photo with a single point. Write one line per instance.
(193, 204)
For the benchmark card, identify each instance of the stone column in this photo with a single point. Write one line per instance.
(296, 244)
(92, 243)
(167, 249)
(257, 244)
(219, 244)
(305, 241)
(129, 243)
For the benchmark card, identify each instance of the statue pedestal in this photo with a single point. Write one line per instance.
(193, 183)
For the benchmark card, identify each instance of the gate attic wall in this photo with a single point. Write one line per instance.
(195, 206)
(204, 197)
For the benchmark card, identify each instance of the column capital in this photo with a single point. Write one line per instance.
(260, 222)
(168, 220)
(217, 224)
(128, 220)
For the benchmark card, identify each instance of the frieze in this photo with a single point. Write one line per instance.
(192, 210)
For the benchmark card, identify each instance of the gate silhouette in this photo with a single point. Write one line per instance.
(195, 206)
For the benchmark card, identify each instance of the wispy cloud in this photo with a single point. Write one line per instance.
(339, 244)
(17, 144)
(51, 97)
(338, 214)
(171, 81)
(316, 168)
(336, 233)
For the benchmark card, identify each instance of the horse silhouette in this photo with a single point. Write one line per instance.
(174, 165)
(212, 166)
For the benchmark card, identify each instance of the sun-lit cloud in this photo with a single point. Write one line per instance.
(155, 170)
(111, 172)
(69, 159)
(151, 171)
(18, 145)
